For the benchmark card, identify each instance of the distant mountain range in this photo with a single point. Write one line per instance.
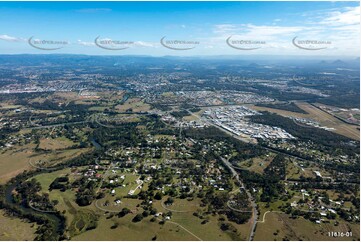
(250, 61)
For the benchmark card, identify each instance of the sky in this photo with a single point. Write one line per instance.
(180, 28)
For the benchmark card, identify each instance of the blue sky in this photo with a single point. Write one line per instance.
(209, 24)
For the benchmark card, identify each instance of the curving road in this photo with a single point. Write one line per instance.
(105, 210)
(249, 195)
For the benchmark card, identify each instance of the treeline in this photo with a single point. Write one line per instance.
(85, 194)
(18, 97)
(283, 106)
(217, 203)
(328, 141)
(156, 127)
(180, 114)
(124, 134)
(161, 107)
(51, 226)
(49, 105)
(277, 168)
(309, 183)
(206, 133)
(5, 131)
(60, 183)
(244, 150)
(269, 182)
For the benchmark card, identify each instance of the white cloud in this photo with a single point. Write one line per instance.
(84, 43)
(256, 32)
(224, 28)
(11, 38)
(346, 16)
(268, 31)
(341, 26)
(145, 44)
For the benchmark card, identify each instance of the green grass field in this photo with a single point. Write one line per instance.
(257, 164)
(127, 230)
(279, 227)
(14, 161)
(12, 228)
(136, 104)
(208, 231)
(55, 144)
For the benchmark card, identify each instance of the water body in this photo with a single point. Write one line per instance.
(125, 97)
(51, 216)
(95, 143)
(58, 223)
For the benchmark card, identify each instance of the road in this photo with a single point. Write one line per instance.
(105, 210)
(246, 140)
(264, 217)
(235, 174)
(57, 125)
(249, 195)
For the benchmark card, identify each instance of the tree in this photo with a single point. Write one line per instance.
(153, 211)
(145, 214)
(137, 218)
(224, 226)
(158, 196)
(115, 225)
(124, 212)
(169, 201)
